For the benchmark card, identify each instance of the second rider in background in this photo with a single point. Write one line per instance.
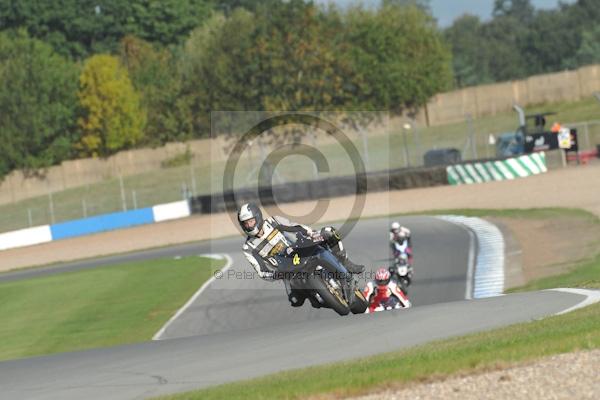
(400, 241)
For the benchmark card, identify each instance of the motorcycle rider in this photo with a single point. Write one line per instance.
(400, 241)
(384, 292)
(265, 238)
(402, 272)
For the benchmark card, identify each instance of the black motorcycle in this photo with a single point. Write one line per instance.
(310, 267)
(402, 272)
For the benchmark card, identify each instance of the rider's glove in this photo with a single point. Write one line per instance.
(316, 237)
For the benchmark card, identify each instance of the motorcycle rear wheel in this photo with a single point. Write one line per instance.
(360, 304)
(333, 297)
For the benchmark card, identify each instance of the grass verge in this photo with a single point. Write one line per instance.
(119, 304)
(523, 213)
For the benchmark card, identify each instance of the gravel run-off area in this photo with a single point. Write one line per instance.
(565, 376)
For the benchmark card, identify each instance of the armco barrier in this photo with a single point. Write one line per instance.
(497, 170)
(324, 188)
(96, 224)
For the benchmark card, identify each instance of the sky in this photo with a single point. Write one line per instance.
(447, 11)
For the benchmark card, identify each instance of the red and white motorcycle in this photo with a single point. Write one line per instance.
(383, 293)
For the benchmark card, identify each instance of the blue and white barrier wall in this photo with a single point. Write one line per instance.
(96, 224)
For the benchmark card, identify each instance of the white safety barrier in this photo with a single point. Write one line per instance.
(25, 237)
(165, 212)
(95, 224)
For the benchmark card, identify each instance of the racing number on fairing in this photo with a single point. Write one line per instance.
(296, 259)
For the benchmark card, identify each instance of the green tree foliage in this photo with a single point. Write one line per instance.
(399, 55)
(424, 5)
(228, 6)
(521, 41)
(295, 56)
(113, 119)
(503, 39)
(589, 51)
(83, 27)
(469, 51)
(38, 103)
(217, 69)
(154, 74)
(301, 59)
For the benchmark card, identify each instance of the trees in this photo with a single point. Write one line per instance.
(79, 28)
(399, 55)
(503, 38)
(155, 75)
(521, 41)
(218, 69)
(113, 118)
(469, 50)
(589, 51)
(297, 57)
(38, 102)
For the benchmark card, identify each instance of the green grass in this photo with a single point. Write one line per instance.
(521, 213)
(119, 304)
(585, 275)
(205, 176)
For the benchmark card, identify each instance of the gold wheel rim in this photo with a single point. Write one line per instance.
(336, 293)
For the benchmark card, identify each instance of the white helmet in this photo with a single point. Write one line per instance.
(395, 226)
(248, 212)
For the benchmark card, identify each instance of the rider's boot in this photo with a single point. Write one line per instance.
(341, 255)
(353, 268)
(333, 240)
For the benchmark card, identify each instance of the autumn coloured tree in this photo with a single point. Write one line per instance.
(113, 118)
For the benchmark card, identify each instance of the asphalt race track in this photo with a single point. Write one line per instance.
(237, 302)
(243, 328)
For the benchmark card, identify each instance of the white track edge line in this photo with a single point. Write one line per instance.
(591, 297)
(162, 330)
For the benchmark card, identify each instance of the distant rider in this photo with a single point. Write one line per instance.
(265, 239)
(400, 241)
(384, 293)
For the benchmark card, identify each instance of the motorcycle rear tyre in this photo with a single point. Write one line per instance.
(318, 284)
